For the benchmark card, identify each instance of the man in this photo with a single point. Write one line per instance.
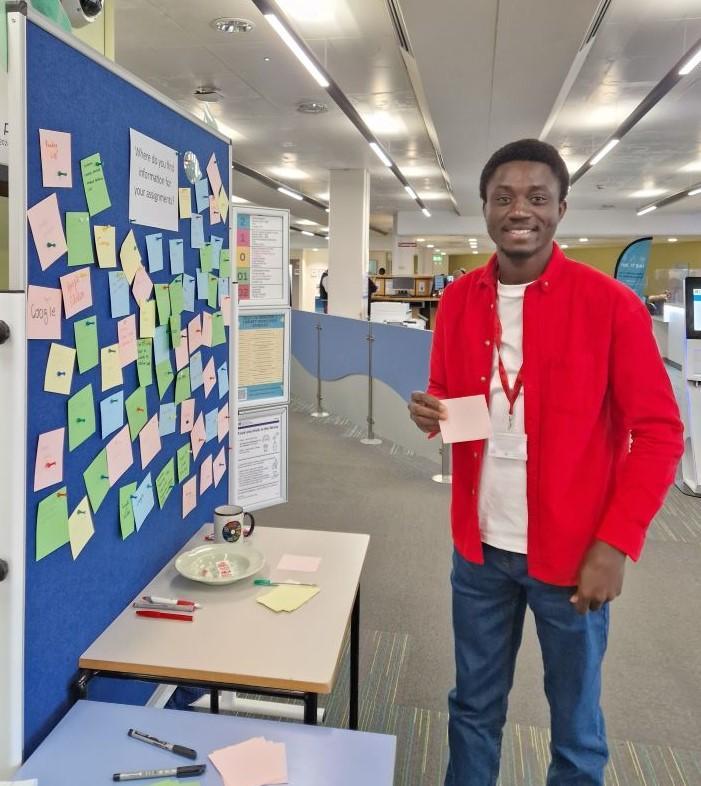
(323, 290)
(586, 438)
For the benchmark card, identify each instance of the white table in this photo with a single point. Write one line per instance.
(235, 643)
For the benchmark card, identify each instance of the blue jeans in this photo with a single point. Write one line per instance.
(489, 605)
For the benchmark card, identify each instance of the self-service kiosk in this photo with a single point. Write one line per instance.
(691, 395)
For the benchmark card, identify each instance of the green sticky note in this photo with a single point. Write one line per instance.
(163, 303)
(137, 412)
(144, 355)
(97, 480)
(206, 258)
(79, 239)
(212, 291)
(52, 523)
(86, 343)
(126, 512)
(175, 330)
(81, 417)
(165, 481)
(164, 376)
(218, 332)
(177, 298)
(94, 184)
(183, 462)
(224, 263)
(182, 385)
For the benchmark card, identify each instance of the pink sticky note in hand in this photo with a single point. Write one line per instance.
(189, 495)
(187, 415)
(56, 171)
(219, 466)
(209, 377)
(126, 330)
(47, 231)
(43, 312)
(77, 292)
(149, 441)
(468, 419)
(48, 467)
(119, 455)
(206, 474)
(198, 435)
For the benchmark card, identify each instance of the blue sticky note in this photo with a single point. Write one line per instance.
(177, 264)
(196, 231)
(216, 243)
(161, 345)
(210, 424)
(119, 294)
(142, 501)
(202, 285)
(166, 419)
(224, 290)
(154, 249)
(188, 292)
(112, 413)
(202, 195)
(223, 379)
(196, 380)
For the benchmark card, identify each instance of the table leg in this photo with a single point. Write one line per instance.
(310, 708)
(214, 701)
(80, 686)
(354, 662)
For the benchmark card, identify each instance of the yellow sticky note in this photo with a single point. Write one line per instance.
(147, 318)
(59, 369)
(223, 204)
(111, 367)
(287, 597)
(185, 203)
(80, 527)
(106, 246)
(130, 257)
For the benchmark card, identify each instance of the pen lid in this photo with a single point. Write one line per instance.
(191, 769)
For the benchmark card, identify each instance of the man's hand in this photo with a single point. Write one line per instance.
(426, 411)
(600, 577)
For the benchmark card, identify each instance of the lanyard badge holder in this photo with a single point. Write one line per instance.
(508, 445)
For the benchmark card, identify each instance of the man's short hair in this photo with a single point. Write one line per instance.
(526, 150)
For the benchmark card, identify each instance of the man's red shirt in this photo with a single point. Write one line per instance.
(604, 434)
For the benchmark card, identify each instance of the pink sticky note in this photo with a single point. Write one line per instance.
(226, 310)
(209, 377)
(43, 312)
(213, 174)
(198, 435)
(223, 422)
(297, 562)
(219, 466)
(468, 419)
(214, 214)
(206, 329)
(126, 330)
(189, 495)
(206, 471)
(119, 455)
(47, 230)
(149, 441)
(48, 467)
(55, 149)
(194, 333)
(142, 286)
(187, 415)
(182, 354)
(77, 292)
(254, 761)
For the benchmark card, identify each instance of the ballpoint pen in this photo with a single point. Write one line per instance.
(172, 772)
(143, 604)
(271, 583)
(179, 750)
(164, 615)
(171, 601)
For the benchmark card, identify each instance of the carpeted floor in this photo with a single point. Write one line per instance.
(653, 669)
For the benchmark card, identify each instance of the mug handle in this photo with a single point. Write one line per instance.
(252, 527)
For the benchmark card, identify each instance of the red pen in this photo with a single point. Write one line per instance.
(166, 615)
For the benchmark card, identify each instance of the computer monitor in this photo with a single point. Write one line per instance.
(449, 280)
(439, 283)
(402, 285)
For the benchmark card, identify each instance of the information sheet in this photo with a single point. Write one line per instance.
(263, 358)
(261, 254)
(261, 455)
(153, 183)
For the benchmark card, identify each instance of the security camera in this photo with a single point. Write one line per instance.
(82, 12)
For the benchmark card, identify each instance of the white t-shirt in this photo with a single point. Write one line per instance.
(503, 511)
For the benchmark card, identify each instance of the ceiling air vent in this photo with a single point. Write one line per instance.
(596, 21)
(395, 13)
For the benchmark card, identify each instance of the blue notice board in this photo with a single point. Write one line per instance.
(69, 602)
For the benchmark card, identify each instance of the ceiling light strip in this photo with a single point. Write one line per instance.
(669, 200)
(298, 48)
(276, 184)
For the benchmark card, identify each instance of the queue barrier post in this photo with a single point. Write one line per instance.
(445, 475)
(371, 439)
(319, 412)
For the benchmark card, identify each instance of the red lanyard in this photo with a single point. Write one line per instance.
(511, 393)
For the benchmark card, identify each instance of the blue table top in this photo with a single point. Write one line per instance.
(91, 743)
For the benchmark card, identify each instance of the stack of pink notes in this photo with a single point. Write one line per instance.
(255, 762)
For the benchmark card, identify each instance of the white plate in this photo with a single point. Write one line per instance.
(219, 563)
